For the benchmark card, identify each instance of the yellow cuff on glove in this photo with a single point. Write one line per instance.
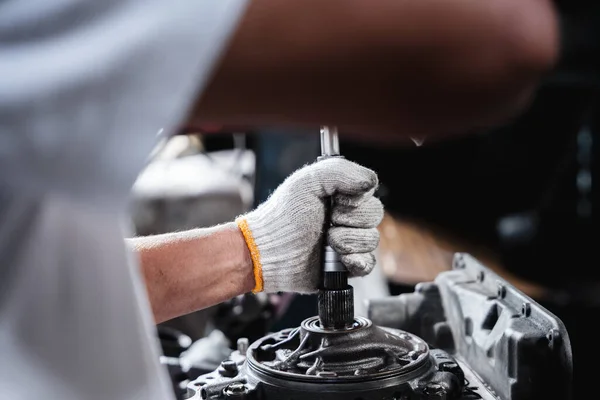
(254, 254)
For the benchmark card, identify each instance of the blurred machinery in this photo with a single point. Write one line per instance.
(184, 186)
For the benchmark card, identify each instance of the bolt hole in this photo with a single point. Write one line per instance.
(208, 378)
(501, 291)
(203, 394)
(468, 326)
(553, 337)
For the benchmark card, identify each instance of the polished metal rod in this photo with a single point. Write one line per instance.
(330, 145)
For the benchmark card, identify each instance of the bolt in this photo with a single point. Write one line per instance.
(242, 345)
(501, 291)
(459, 263)
(236, 387)
(229, 365)
(228, 369)
(480, 276)
(526, 309)
(553, 337)
(236, 390)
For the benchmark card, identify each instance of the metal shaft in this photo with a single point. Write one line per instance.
(330, 144)
(336, 297)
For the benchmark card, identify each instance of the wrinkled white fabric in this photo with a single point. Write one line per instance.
(85, 86)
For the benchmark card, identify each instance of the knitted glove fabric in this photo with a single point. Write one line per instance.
(285, 233)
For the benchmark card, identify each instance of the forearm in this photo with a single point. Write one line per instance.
(400, 67)
(188, 271)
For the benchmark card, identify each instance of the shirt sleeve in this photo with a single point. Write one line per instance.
(103, 75)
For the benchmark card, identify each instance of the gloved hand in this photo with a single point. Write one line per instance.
(285, 233)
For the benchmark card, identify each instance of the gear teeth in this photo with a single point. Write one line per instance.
(336, 308)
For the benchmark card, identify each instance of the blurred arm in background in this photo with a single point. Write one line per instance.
(392, 67)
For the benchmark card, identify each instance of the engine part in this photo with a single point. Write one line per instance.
(365, 362)
(311, 351)
(515, 345)
(472, 336)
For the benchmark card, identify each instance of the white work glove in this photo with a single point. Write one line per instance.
(285, 233)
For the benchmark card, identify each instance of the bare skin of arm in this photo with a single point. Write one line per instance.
(393, 67)
(188, 271)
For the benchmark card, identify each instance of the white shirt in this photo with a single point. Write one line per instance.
(85, 85)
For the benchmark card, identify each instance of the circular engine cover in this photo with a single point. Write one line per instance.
(364, 362)
(312, 354)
